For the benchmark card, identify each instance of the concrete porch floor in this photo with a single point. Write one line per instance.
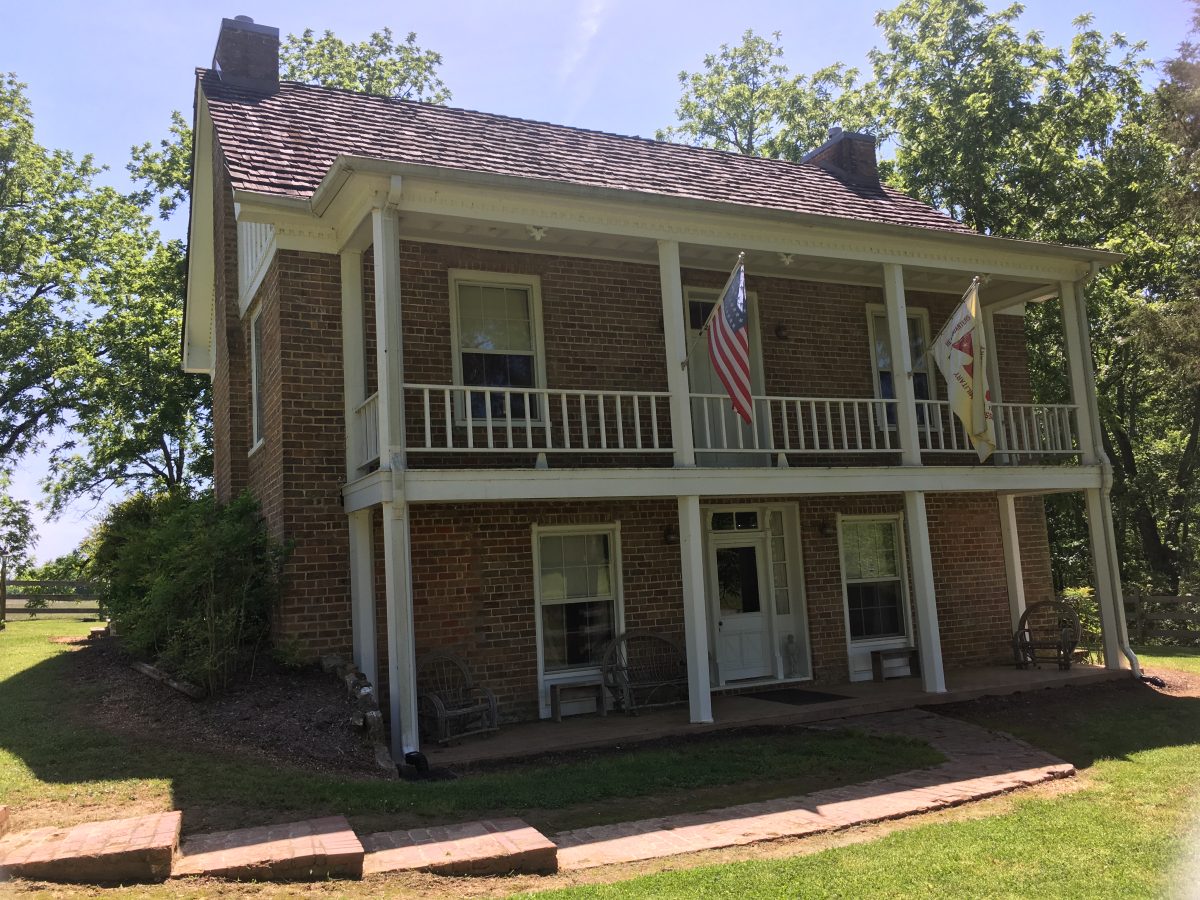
(731, 711)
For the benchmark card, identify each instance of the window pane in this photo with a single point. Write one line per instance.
(574, 550)
(887, 391)
(494, 318)
(745, 521)
(577, 581)
(554, 585)
(883, 350)
(698, 313)
(921, 386)
(874, 610)
(576, 634)
(722, 521)
(737, 580)
(916, 343)
(870, 550)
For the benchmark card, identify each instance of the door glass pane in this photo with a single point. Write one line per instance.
(737, 580)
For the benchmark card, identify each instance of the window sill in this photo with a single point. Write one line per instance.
(256, 447)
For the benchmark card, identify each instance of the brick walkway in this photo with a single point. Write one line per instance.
(979, 764)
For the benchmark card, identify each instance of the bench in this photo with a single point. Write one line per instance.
(450, 705)
(593, 684)
(879, 657)
(643, 669)
(1047, 632)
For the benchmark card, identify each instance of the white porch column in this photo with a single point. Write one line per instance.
(402, 653)
(362, 593)
(675, 339)
(1009, 536)
(995, 388)
(1079, 364)
(1108, 580)
(929, 639)
(402, 687)
(695, 611)
(902, 379)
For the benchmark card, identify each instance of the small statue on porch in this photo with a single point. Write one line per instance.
(791, 657)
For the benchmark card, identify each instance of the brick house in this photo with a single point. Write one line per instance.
(446, 352)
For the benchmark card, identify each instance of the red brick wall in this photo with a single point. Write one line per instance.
(1035, 549)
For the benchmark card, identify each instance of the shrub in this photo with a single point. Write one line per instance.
(189, 583)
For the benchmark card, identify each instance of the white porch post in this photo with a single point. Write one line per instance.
(362, 576)
(362, 593)
(898, 344)
(695, 613)
(675, 339)
(1108, 584)
(402, 688)
(1079, 364)
(1010, 537)
(929, 639)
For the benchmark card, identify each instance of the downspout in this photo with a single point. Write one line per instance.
(1106, 474)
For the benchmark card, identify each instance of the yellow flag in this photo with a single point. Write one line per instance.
(960, 351)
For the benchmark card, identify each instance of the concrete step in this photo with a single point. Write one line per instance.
(473, 848)
(121, 851)
(311, 850)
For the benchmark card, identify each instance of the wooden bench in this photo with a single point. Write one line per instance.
(879, 657)
(1047, 632)
(643, 669)
(450, 705)
(593, 684)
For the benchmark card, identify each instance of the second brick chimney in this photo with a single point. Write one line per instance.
(849, 155)
(247, 55)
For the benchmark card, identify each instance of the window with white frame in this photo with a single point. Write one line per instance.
(578, 595)
(497, 336)
(881, 351)
(873, 575)
(256, 404)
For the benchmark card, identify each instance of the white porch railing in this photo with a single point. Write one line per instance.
(1022, 429)
(366, 420)
(794, 425)
(456, 418)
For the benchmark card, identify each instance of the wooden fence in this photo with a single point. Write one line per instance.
(1175, 620)
(72, 598)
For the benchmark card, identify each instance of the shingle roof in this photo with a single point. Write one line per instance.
(284, 143)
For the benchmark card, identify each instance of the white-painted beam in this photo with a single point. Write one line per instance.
(1079, 365)
(695, 609)
(1107, 580)
(402, 654)
(362, 593)
(353, 358)
(1013, 571)
(675, 340)
(389, 342)
(902, 376)
(929, 640)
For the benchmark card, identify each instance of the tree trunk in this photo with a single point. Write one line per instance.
(3, 592)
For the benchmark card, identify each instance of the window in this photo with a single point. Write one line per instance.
(577, 589)
(918, 343)
(873, 574)
(735, 521)
(496, 331)
(256, 406)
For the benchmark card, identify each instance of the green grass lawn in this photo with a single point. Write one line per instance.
(53, 764)
(1181, 658)
(1119, 836)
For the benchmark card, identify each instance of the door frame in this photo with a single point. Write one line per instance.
(881, 643)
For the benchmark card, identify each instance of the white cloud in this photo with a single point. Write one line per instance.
(590, 18)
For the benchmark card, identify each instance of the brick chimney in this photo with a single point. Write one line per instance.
(848, 155)
(247, 55)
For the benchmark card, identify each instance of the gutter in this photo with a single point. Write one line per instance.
(1106, 475)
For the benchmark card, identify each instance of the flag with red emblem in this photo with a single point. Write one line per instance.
(960, 351)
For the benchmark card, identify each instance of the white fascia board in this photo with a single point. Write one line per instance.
(370, 490)
(199, 312)
(451, 485)
(555, 204)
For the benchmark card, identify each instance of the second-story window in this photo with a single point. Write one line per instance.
(881, 353)
(496, 330)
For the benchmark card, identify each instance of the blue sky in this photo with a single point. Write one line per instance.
(104, 76)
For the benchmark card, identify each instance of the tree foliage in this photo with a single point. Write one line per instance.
(1021, 139)
(380, 65)
(17, 537)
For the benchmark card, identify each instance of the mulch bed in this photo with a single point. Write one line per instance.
(296, 717)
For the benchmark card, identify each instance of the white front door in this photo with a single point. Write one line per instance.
(739, 588)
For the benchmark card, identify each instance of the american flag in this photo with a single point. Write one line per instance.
(729, 342)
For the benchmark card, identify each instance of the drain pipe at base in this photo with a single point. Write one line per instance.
(1106, 476)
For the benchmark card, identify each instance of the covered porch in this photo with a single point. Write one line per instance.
(732, 711)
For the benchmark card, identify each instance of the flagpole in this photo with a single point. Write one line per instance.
(708, 321)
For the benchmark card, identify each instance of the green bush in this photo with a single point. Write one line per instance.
(189, 583)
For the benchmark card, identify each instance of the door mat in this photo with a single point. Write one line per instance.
(796, 696)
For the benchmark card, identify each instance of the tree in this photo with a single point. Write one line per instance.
(379, 65)
(17, 537)
(61, 237)
(745, 101)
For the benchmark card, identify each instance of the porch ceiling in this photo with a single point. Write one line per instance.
(444, 229)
